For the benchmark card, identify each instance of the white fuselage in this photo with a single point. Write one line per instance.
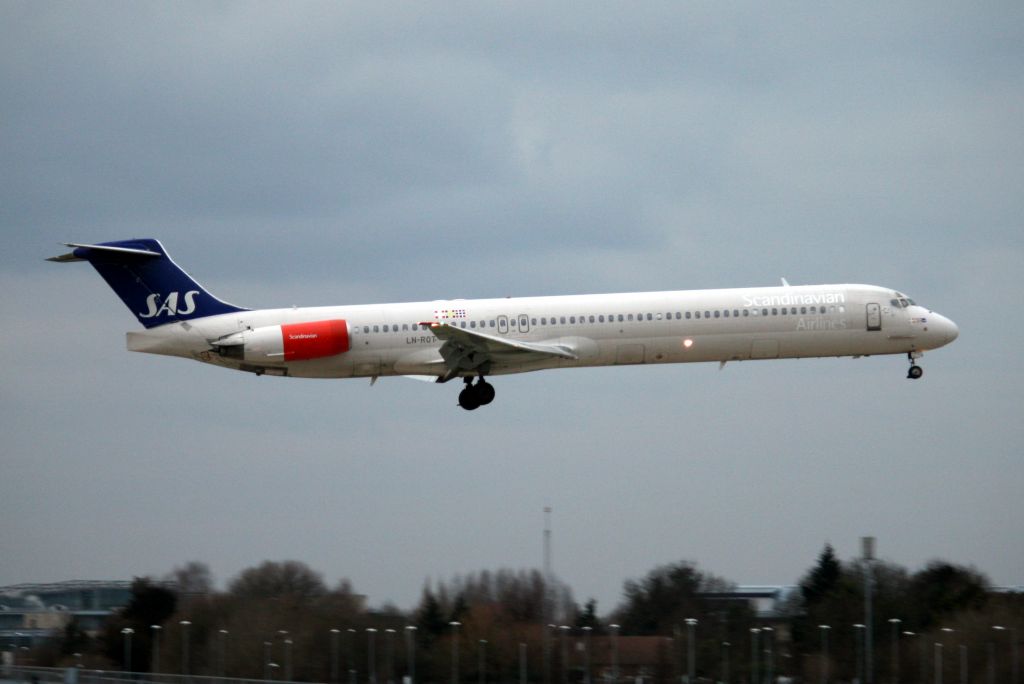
(594, 330)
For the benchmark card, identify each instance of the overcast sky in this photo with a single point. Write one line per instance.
(311, 154)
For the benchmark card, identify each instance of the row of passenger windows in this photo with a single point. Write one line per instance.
(625, 318)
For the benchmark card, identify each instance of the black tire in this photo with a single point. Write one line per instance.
(915, 372)
(468, 398)
(484, 392)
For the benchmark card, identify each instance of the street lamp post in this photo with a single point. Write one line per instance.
(410, 652)
(858, 641)
(615, 653)
(371, 657)
(1014, 667)
(288, 660)
(391, 655)
(184, 648)
(223, 651)
(895, 622)
(352, 670)
(725, 662)
(334, 655)
(455, 624)
(754, 631)
(127, 632)
(586, 654)
(267, 646)
(563, 630)
(690, 664)
(824, 652)
(155, 658)
(938, 655)
(769, 651)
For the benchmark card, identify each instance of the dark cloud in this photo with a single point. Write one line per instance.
(323, 153)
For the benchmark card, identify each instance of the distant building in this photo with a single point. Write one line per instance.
(32, 613)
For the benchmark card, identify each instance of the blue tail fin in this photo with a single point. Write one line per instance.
(146, 279)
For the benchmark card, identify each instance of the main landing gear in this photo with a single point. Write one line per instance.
(915, 371)
(476, 395)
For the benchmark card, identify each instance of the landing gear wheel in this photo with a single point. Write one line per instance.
(484, 392)
(474, 396)
(468, 398)
(915, 371)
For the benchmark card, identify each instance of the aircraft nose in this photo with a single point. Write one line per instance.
(945, 329)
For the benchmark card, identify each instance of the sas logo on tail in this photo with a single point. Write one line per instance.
(170, 304)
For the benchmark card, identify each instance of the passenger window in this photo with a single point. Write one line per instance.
(366, 328)
(726, 313)
(629, 317)
(591, 319)
(658, 317)
(562, 320)
(746, 312)
(376, 328)
(472, 324)
(687, 315)
(599, 318)
(696, 314)
(718, 314)
(764, 312)
(572, 319)
(775, 312)
(649, 317)
(621, 318)
(803, 309)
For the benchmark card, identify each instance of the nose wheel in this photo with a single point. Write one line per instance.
(474, 396)
(915, 371)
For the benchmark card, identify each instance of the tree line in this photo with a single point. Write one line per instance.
(280, 620)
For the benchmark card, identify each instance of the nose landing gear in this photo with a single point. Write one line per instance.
(476, 395)
(915, 371)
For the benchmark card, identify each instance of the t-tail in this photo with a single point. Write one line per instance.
(155, 288)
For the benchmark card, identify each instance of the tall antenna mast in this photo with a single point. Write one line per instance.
(547, 602)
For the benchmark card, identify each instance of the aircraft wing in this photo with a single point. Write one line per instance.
(469, 350)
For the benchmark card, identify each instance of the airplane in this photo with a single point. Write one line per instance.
(472, 339)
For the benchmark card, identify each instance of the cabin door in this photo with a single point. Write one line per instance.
(874, 316)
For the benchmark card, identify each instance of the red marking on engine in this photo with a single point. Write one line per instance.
(314, 340)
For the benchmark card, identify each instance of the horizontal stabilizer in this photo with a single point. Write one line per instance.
(81, 252)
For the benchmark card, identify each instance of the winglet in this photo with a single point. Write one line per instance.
(785, 283)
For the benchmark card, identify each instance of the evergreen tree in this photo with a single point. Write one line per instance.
(823, 578)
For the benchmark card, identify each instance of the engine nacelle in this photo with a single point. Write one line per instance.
(288, 342)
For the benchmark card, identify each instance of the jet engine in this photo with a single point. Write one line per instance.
(288, 342)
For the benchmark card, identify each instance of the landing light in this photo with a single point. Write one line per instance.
(687, 343)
